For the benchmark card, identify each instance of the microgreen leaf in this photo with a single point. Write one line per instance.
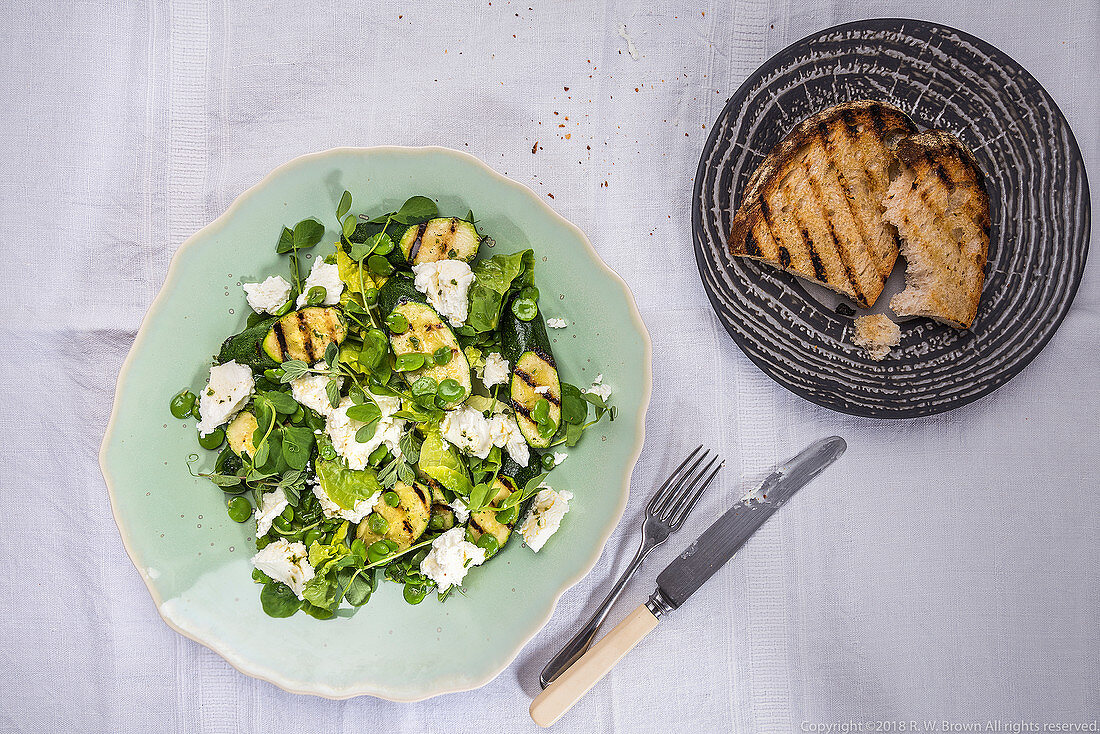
(308, 233)
(344, 206)
(293, 369)
(416, 209)
(332, 392)
(348, 226)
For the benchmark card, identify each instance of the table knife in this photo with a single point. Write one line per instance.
(684, 576)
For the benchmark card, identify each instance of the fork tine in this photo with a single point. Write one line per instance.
(683, 483)
(650, 508)
(699, 470)
(679, 516)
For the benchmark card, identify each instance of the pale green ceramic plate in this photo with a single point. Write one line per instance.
(195, 560)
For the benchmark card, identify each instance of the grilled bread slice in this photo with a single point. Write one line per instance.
(814, 206)
(940, 207)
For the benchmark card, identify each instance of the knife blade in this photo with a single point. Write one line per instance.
(724, 538)
(684, 576)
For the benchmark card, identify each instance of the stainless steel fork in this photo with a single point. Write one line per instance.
(664, 515)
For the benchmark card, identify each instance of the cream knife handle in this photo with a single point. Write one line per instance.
(578, 678)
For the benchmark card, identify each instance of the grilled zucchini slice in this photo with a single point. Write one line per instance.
(527, 347)
(440, 239)
(246, 347)
(427, 333)
(407, 521)
(239, 433)
(304, 334)
(485, 520)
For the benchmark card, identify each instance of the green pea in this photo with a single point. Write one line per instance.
(316, 295)
(443, 355)
(379, 265)
(414, 593)
(530, 292)
(239, 509)
(182, 403)
(451, 391)
(489, 543)
(384, 246)
(410, 362)
(436, 522)
(287, 513)
(378, 524)
(507, 516)
(282, 525)
(548, 462)
(377, 551)
(213, 440)
(275, 375)
(328, 453)
(391, 498)
(397, 323)
(525, 309)
(377, 455)
(298, 415)
(541, 412)
(285, 308)
(370, 296)
(315, 534)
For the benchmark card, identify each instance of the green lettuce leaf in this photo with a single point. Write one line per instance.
(346, 486)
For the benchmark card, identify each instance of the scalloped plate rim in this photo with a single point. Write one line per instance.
(221, 647)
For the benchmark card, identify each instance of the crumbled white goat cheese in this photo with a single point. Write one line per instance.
(341, 429)
(286, 562)
(467, 429)
(496, 370)
(600, 389)
(309, 390)
(228, 389)
(271, 506)
(556, 323)
(446, 283)
(269, 295)
(328, 277)
(505, 433)
(450, 558)
(545, 517)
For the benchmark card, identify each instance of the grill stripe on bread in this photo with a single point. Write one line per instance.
(940, 207)
(814, 205)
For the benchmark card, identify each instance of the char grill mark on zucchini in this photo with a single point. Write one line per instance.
(406, 522)
(440, 239)
(425, 334)
(304, 334)
(526, 345)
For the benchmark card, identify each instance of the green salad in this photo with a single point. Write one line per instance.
(392, 409)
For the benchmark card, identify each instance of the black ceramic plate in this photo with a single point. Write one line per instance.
(1039, 205)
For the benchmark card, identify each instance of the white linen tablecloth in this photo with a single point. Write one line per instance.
(947, 570)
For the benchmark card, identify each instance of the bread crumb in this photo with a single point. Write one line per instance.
(876, 334)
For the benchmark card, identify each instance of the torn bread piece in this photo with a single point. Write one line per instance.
(814, 205)
(875, 334)
(940, 207)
